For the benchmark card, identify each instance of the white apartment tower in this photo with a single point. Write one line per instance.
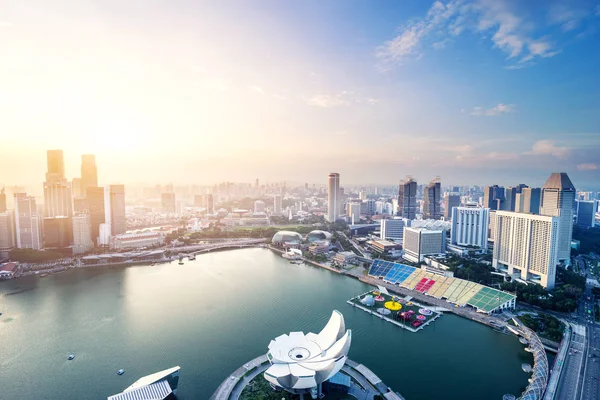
(558, 200)
(333, 197)
(470, 226)
(527, 245)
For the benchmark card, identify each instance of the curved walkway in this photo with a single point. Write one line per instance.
(369, 384)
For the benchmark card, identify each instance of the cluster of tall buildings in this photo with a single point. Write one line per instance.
(76, 214)
(530, 228)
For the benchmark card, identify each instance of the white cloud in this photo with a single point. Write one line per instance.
(549, 147)
(588, 167)
(328, 100)
(5, 24)
(496, 110)
(494, 20)
(257, 89)
(568, 18)
(344, 98)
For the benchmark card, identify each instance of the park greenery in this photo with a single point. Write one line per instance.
(589, 239)
(472, 270)
(562, 298)
(544, 325)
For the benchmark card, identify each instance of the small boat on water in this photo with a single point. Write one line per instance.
(71, 356)
(120, 372)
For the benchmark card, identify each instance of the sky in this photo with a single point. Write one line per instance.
(188, 91)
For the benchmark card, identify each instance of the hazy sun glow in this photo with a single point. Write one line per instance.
(200, 92)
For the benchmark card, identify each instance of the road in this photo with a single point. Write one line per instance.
(591, 369)
(580, 377)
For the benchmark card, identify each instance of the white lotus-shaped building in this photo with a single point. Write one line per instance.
(300, 363)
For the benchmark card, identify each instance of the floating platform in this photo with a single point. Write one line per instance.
(413, 313)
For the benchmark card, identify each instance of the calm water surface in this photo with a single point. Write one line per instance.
(212, 315)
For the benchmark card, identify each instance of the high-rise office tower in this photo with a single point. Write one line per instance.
(528, 201)
(82, 234)
(76, 187)
(2, 200)
(586, 213)
(558, 200)
(58, 232)
(407, 198)
(7, 233)
(89, 172)
(470, 226)
(493, 197)
(95, 203)
(277, 204)
(527, 244)
(167, 201)
(333, 197)
(432, 195)
(451, 201)
(114, 208)
(58, 199)
(510, 197)
(56, 166)
(28, 229)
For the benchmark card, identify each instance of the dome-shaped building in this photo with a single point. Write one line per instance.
(287, 237)
(318, 236)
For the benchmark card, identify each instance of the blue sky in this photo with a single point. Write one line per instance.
(477, 91)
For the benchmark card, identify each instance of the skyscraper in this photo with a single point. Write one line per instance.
(451, 201)
(586, 213)
(333, 197)
(407, 198)
(527, 245)
(28, 232)
(2, 200)
(7, 233)
(95, 203)
(558, 200)
(58, 232)
(58, 199)
(82, 234)
(89, 172)
(56, 166)
(114, 208)
(528, 201)
(432, 195)
(76, 187)
(510, 197)
(493, 197)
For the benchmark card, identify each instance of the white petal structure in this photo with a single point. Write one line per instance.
(300, 361)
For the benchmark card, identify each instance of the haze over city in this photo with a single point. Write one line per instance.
(201, 92)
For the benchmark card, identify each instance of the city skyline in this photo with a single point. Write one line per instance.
(462, 89)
